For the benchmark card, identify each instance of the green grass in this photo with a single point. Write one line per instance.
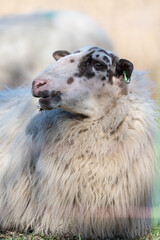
(154, 235)
(31, 236)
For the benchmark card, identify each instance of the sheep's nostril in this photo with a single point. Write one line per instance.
(39, 88)
(39, 83)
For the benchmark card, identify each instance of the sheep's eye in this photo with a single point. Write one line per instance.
(99, 66)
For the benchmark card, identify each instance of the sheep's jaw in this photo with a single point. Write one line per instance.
(49, 100)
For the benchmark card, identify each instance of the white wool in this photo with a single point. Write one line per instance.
(62, 174)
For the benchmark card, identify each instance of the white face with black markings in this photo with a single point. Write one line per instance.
(83, 82)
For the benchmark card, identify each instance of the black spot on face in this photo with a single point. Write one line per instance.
(115, 59)
(110, 74)
(56, 95)
(97, 55)
(105, 59)
(103, 78)
(87, 75)
(88, 64)
(72, 60)
(44, 93)
(85, 67)
(90, 75)
(70, 80)
(76, 74)
(99, 66)
(102, 50)
(92, 48)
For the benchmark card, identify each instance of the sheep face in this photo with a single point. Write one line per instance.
(85, 82)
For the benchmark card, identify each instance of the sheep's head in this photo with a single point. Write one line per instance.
(84, 82)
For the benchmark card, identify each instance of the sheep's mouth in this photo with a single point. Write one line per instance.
(49, 100)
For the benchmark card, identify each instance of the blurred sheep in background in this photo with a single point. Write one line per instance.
(27, 42)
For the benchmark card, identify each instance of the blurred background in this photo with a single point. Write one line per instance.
(129, 28)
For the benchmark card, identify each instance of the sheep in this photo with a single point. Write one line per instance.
(27, 40)
(84, 163)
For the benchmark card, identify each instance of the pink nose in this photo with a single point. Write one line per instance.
(37, 86)
(38, 83)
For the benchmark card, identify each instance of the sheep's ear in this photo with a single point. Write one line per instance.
(124, 65)
(59, 54)
(121, 77)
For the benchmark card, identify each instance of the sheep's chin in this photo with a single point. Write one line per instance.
(48, 103)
